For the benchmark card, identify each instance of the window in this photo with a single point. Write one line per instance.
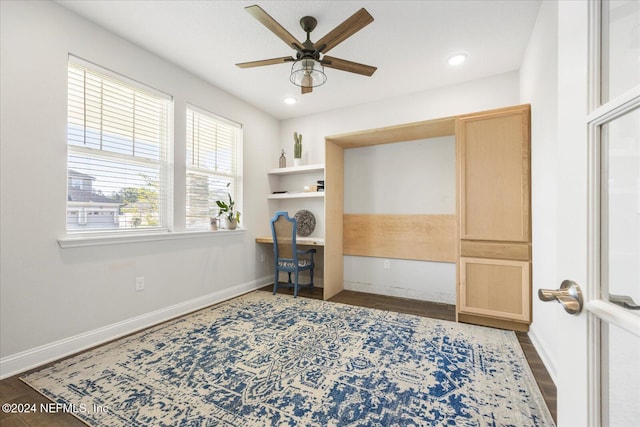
(619, 48)
(212, 154)
(614, 204)
(117, 146)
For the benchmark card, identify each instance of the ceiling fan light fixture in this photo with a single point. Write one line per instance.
(307, 72)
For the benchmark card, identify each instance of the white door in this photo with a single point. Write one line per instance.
(598, 217)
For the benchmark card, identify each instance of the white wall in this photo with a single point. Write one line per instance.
(55, 301)
(421, 280)
(414, 177)
(539, 87)
(432, 281)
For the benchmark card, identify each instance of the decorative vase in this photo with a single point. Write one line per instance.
(282, 162)
(297, 161)
(214, 224)
(230, 224)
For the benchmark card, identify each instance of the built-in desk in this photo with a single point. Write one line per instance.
(302, 241)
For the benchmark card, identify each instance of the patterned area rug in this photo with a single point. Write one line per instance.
(272, 360)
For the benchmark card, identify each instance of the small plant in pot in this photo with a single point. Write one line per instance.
(297, 149)
(230, 216)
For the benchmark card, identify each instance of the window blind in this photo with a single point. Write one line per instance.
(212, 148)
(117, 142)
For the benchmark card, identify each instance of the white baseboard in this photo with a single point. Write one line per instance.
(38, 356)
(544, 356)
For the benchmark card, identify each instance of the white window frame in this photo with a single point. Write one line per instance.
(235, 177)
(163, 164)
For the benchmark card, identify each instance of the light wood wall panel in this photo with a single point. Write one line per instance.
(415, 237)
(405, 132)
(333, 206)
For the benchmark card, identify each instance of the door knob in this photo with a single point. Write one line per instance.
(569, 295)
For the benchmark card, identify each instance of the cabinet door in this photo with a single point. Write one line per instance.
(495, 288)
(494, 174)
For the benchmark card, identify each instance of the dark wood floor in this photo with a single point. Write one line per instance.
(12, 390)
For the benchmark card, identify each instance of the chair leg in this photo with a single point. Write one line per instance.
(275, 283)
(289, 277)
(311, 278)
(295, 286)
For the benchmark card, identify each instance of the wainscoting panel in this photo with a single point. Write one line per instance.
(416, 237)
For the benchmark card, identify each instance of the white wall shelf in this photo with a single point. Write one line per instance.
(296, 170)
(293, 181)
(296, 195)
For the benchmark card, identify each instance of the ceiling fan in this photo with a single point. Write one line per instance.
(310, 59)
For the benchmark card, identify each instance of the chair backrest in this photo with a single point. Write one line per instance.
(283, 231)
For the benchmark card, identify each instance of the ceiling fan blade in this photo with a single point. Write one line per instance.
(350, 66)
(352, 25)
(306, 89)
(266, 62)
(273, 25)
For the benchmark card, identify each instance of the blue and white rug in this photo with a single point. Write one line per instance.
(272, 360)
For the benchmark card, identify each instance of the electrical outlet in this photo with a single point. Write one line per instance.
(387, 264)
(140, 283)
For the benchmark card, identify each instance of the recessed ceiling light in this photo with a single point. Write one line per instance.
(457, 59)
(290, 100)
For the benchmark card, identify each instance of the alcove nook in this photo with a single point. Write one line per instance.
(489, 235)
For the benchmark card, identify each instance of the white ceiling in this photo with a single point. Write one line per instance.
(409, 42)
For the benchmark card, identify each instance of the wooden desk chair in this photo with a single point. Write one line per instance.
(286, 255)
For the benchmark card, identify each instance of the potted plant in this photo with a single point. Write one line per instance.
(297, 149)
(227, 211)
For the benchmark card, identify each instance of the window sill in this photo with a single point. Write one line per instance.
(103, 239)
